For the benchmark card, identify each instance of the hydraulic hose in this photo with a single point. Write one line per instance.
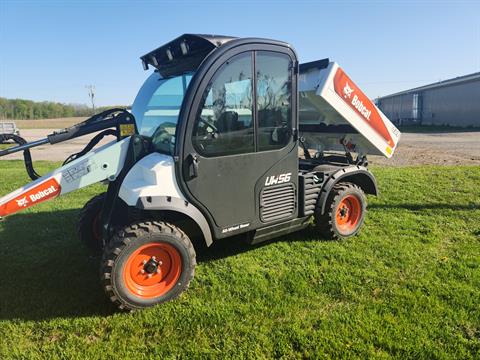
(100, 122)
(27, 157)
(91, 144)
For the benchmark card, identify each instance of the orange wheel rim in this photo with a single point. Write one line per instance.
(348, 213)
(152, 270)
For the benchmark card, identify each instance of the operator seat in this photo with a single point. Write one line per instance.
(228, 122)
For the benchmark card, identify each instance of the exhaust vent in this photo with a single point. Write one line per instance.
(310, 187)
(277, 202)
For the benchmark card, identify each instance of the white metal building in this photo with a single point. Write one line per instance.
(454, 102)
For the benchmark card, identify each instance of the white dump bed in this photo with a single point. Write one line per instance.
(336, 115)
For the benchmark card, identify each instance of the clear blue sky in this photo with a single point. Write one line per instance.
(49, 50)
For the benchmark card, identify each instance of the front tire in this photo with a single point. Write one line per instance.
(146, 264)
(344, 212)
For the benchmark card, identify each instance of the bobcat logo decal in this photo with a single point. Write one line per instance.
(22, 202)
(347, 91)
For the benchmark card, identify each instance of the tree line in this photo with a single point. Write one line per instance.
(20, 109)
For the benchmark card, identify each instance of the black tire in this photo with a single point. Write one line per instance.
(344, 212)
(121, 263)
(89, 228)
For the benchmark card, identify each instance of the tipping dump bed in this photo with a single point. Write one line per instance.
(336, 115)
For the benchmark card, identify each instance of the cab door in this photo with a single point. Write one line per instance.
(242, 140)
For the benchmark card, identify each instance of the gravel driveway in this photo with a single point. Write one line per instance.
(57, 152)
(459, 148)
(414, 149)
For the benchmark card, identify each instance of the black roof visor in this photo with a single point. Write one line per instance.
(184, 54)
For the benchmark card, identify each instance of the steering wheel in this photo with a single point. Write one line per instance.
(161, 136)
(209, 124)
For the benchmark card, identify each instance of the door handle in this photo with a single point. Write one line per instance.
(193, 172)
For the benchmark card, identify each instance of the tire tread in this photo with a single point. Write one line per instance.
(84, 224)
(122, 239)
(324, 222)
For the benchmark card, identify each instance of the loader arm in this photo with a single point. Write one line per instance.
(104, 163)
(120, 119)
(79, 170)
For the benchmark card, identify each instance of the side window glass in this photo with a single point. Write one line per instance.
(273, 100)
(224, 124)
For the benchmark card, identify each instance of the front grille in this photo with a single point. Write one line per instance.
(277, 202)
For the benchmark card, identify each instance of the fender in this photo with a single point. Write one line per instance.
(151, 184)
(355, 174)
(169, 203)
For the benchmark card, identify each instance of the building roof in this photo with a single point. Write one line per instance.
(449, 82)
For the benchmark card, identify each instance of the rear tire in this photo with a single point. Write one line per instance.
(146, 264)
(344, 212)
(89, 226)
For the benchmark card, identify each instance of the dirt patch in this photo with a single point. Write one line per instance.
(48, 123)
(57, 152)
(415, 149)
(458, 148)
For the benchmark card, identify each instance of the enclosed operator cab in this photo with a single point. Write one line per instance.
(229, 124)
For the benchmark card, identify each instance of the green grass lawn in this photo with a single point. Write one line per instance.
(5, 146)
(407, 287)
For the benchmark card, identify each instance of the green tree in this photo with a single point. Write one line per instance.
(19, 109)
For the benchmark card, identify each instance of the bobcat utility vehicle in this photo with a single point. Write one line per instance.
(227, 136)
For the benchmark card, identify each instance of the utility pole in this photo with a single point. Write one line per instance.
(91, 95)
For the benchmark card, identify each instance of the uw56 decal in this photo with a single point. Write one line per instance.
(278, 179)
(40, 193)
(361, 104)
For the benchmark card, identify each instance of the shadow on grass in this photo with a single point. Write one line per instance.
(419, 207)
(46, 273)
(237, 245)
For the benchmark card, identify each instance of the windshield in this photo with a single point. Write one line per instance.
(157, 106)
